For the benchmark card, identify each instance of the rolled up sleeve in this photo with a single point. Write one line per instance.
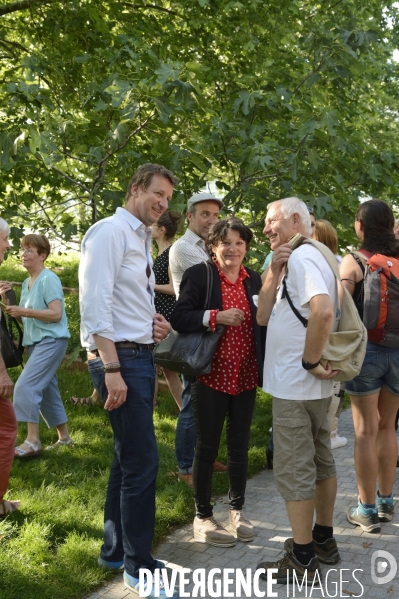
(102, 254)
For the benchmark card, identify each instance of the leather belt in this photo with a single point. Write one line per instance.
(131, 344)
(135, 345)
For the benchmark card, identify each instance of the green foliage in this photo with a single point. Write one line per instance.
(73, 316)
(269, 99)
(50, 547)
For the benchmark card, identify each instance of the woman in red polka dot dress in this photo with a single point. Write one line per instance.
(229, 391)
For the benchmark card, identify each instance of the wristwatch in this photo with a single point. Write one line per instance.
(308, 365)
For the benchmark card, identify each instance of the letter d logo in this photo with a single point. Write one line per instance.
(379, 567)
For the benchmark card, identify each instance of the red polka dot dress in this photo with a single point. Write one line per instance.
(234, 365)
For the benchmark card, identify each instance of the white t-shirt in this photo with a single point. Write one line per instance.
(308, 275)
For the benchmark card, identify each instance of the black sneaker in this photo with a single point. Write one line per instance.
(327, 552)
(385, 508)
(369, 523)
(287, 565)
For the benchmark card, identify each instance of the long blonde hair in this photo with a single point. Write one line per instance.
(325, 233)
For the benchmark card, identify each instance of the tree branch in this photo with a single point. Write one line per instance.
(323, 60)
(17, 6)
(154, 7)
(102, 165)
(74, 181)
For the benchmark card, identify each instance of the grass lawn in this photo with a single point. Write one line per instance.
(49, 549)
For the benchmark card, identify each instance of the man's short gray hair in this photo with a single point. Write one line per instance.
(290, 206)
(4, 226)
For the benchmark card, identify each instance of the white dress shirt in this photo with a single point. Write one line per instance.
(116, 293)
(185, 252)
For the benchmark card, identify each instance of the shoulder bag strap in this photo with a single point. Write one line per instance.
(209, 284)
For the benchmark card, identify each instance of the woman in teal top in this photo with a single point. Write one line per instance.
(46, 335)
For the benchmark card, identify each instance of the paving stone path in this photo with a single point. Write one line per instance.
(265, 508)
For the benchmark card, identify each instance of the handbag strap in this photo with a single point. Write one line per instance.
(209, 284)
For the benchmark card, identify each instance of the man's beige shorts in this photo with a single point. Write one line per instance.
(302, 450)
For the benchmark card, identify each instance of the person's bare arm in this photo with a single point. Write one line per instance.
(51, 314)
(168, 288)
(263, 275)
(318, 330)
(350, 272)
(114, 382)
(267, 294)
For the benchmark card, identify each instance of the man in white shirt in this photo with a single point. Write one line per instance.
(118, 328)
(303, 467)
(202, 212)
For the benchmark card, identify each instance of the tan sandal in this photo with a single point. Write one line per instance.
(23, 454)
(85, 401)
(8, 507)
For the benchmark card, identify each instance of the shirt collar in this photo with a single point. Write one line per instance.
(134, 222)
(242, 275)
(193, 237)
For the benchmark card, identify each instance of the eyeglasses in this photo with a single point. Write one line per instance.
(28, 251)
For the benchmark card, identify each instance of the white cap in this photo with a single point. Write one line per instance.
(202, 197)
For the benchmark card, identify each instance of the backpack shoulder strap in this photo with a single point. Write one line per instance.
(360, 259)
(327, 255)
(331, 261)
(285, 295)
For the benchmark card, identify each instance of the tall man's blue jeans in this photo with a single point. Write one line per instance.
(185, 432)
(129, 514)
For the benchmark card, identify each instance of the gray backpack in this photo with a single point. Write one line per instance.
(346, 345)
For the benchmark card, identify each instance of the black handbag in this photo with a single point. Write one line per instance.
(11, 348)
(190, 354)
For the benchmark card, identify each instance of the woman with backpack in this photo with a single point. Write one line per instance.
(374, 393)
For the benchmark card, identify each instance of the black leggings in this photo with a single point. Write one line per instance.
(210, 410)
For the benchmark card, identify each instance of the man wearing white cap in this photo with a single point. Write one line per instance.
(202, 212)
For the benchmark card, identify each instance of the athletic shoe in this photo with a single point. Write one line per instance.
(208, 530)
(338, 441)
(289, 564)
(110, 565)
(366, 518)
(385, 508)
(241, 526)
(326, 553)
(133, 585)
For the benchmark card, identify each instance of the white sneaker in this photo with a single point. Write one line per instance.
(242, 526)
(338, 441)
(208, 530)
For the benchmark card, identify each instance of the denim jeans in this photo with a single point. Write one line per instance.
(129, 514)
(185, 432)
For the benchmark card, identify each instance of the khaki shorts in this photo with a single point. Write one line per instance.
(302, 449)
